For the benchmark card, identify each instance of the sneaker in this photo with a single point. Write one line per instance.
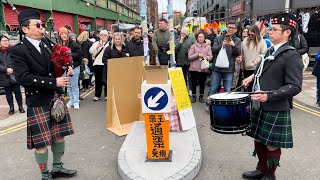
(84, 90)
(76, 107)
(105, 98)
(96, 98)
(318, 105)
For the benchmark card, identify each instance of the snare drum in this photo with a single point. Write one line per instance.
(229, 113)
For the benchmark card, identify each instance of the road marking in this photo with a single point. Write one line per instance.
(13, 128)
(88, 93)
(306, 109)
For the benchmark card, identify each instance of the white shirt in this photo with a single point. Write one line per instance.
(276, 47)
(35, 43)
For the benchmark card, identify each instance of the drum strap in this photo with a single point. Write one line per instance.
(267, 56)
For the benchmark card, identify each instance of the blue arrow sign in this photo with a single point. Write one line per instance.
(156, 99)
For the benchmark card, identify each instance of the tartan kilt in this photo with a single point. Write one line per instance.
(271, 128)
(41, 130)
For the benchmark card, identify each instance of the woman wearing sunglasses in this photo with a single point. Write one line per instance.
(251, 48)
(77, 55)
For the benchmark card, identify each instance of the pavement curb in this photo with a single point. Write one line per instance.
(188, 172)
(13, 120)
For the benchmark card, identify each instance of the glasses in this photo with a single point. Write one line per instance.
(229, 27)
(275, 29)
(39, 25)
(251, 35)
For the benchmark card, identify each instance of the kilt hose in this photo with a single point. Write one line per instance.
(271, 128)
(41, 130)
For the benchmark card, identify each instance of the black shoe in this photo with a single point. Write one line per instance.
(63, 172)
(268, 177)
(252, 175)
(11, 111)
(46, 176)
(193, 99)
(21, 110)
(201, 100)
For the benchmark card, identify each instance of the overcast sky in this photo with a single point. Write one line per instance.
(177, 5)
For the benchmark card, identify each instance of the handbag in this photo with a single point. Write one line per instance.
(222, 59)
(58, 111)
(305, 58)
(204, 64)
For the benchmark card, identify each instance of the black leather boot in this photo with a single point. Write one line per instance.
(63, 172)
(193, 99)
(21, 110)
(256, 174)
(201, 100)
(46, 176)
(11, 111)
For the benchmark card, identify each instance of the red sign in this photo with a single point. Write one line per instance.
(238, 8)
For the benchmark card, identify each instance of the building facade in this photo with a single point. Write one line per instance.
(215, 10)
(79, 14)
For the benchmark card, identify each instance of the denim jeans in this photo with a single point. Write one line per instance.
(216, 78)
(73, 90)
(318, 90)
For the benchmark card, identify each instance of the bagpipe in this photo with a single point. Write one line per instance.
(60, 55)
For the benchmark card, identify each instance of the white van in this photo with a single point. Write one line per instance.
(194, 21)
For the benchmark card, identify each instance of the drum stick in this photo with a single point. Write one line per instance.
(260, 92)
(235, 89)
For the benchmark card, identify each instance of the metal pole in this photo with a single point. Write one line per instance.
(287, 5)
(171, 41)
(144, 25)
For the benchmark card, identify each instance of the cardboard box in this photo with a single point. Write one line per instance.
(156, 74)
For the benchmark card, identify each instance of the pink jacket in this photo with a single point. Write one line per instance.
(194, 51)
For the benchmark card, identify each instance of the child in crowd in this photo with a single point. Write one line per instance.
(86, 75)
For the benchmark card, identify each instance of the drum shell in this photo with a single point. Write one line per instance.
(230, 116)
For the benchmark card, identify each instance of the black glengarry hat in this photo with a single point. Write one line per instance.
(28, 14)
(284, 19)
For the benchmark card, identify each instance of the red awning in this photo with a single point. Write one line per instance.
(61, 19)
(83, 19)
(11, 18)
(100, 22)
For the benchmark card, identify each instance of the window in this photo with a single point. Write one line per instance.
(207, 4)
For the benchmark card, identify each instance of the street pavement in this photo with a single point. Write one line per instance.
(93, 150)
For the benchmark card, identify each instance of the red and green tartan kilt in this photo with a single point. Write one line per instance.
(41, 130)
(272, 128)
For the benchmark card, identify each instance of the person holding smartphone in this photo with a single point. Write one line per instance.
(232, 44)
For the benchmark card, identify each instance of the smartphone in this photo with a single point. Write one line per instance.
(227, 38)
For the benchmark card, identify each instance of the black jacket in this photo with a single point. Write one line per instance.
(85, 49)
(5, 63)
(110, 54)
(76, 52)
(283, 76)
(34, 71)
(135, 48)
(300, 43)
(211, 37)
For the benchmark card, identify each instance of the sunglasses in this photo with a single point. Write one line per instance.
(39, 25)
(250, 35)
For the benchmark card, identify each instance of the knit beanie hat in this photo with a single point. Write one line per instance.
(105, 32)
(62, 30)
(185, 31)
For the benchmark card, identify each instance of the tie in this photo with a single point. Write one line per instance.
(41, 47)
(271, 50)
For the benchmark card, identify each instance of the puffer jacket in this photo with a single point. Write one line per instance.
(195, 50)
(5, 62)
(232, 52)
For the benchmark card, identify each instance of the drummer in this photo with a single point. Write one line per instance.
(270, 116)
